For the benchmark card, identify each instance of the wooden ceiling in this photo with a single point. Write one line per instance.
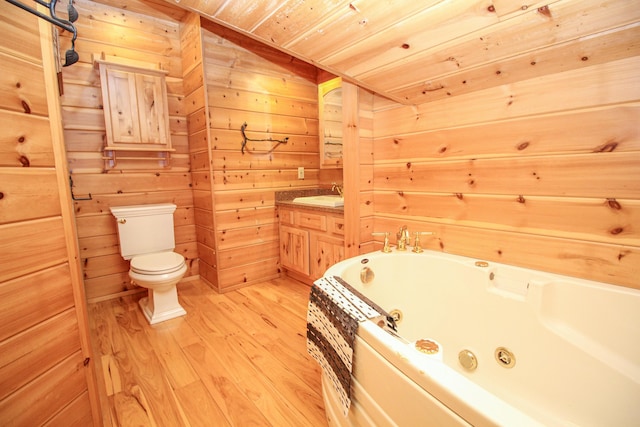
(416, 51)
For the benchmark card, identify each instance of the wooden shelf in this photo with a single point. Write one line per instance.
(140, 149)
(111, 158)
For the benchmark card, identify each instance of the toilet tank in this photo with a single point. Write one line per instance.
(144, 229)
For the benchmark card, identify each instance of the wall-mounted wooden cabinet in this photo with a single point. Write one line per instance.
(330, 119)
(135, 112)
(310, 242)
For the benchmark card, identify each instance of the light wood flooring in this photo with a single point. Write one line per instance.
(235, 359)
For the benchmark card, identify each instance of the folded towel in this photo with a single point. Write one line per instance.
(334, 311)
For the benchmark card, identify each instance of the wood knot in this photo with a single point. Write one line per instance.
(405, 46)
(459, 196)
(614, 204)
(523, 145)
(491, 8)
(26, 107)
(616, 230)
(1, 195)
(24, 161)
(606, 148)
(408, 165)
(521, 199)
(544, 10)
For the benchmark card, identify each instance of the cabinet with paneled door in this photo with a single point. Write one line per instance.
(136, 112)
(310, 242)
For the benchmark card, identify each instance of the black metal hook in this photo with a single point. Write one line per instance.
(71, 56)
(73, 195)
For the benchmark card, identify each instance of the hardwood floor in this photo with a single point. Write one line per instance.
(236, 359)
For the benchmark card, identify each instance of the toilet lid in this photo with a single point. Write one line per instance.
(157, 263)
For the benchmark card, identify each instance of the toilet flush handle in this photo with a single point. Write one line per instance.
(122, 221)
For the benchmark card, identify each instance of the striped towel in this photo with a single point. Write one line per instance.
(334, 312)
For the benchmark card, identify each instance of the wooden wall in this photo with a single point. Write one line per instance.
(46, 366)
(276, 96)
(542, 171)
(358, 171)
(138, 32)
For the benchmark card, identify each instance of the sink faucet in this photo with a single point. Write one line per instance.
(338, 188)
(403, 238)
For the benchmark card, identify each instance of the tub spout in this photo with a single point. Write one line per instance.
(338, 188)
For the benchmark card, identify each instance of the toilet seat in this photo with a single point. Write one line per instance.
(157, 263)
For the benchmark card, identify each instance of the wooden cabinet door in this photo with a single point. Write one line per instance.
(324, 251)
(152, 109)
(121, 107)
(294, 249)
(135, 107)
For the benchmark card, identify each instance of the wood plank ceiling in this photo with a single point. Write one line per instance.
(416, 51)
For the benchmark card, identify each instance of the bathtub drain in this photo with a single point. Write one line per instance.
(505, 357)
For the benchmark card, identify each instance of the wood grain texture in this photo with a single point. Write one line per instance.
(555, 177)
(45, 363)
(276, 96)
(237, 358)
(415, 52)
(144, 33)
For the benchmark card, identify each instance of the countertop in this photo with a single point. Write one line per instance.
(285, 198)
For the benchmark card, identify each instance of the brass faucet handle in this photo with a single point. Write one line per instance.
(386, 248)
(416, 246)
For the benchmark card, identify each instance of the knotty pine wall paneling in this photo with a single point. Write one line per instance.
(142, 33)
(542, 171)
(197, 111)
(47, 370)
(276, 96)
(357, 105)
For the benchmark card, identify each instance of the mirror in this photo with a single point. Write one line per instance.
(330, 116)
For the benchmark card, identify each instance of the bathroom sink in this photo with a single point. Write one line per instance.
(326, 200)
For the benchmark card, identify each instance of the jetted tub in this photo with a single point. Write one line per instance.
(516, 347)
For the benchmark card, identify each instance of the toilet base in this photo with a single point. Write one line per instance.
(159, 306)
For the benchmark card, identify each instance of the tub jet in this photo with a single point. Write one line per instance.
(468, 360)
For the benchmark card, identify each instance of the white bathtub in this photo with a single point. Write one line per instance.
(575, 346)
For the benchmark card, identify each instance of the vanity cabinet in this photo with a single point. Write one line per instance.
(294, 249)
(310, 242)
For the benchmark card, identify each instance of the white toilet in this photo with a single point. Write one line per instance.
(146, 238)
